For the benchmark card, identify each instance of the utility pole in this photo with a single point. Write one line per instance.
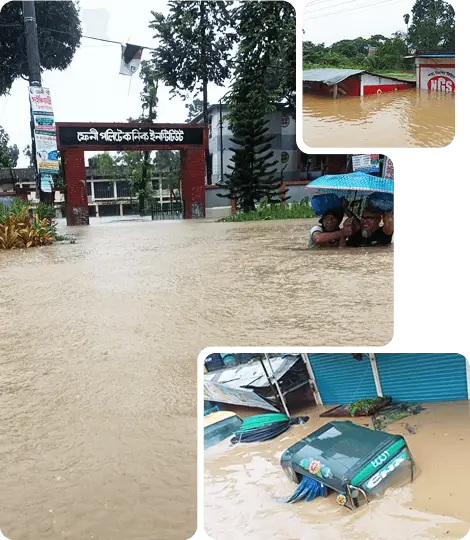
(34, 72)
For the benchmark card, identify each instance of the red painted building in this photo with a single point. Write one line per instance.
(351, 82)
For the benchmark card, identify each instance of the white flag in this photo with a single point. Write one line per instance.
(131, 55)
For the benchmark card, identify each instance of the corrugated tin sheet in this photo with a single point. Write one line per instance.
(423, 377)
(220, 393)
(280, 366)
(329, 76)
(341, 379)
(252, 374)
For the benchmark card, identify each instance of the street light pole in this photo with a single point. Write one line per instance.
(34, 72)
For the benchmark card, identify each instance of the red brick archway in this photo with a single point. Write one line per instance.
(74, 139)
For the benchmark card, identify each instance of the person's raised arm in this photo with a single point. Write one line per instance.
(387, 219)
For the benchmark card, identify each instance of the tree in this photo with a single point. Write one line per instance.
(8, 154)
(195, 108)
(267, 34)
(390, 54)
(59, 34)
(406, 18)
(149, 112)
(264, 77)
(105, 164)
(196, 40)
(168, 162)
(27, 152)
(252, 177)
(195, 48)
(432, 25)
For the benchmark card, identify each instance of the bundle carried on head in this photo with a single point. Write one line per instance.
(264, 427)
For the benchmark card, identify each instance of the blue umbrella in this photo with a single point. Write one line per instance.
(343, 185)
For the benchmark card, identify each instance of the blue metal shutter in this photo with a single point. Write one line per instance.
(423, 377)
(341, 379)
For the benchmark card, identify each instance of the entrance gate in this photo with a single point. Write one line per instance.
(168, 209)
(73, 139)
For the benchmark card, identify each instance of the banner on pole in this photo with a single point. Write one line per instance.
(44, 131)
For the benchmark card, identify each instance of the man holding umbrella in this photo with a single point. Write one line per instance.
(378, 195)
(369, 232)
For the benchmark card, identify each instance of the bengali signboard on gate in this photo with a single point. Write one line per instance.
(44, 131)
(79, 136)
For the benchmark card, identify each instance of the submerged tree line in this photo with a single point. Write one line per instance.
(430, 26)
(247, 46)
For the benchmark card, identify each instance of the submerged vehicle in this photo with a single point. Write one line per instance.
(346, 458)
(219, 425)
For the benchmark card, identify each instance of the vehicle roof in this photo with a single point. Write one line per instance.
(218, 416)
(342, 446)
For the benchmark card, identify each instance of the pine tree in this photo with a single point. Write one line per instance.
(253, 177)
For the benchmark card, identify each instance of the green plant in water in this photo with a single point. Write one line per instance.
(19, 229)
(44, 211)
(363, 406)
(268, 211)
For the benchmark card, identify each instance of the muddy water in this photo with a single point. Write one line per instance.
(403, 119)
(98, 350)
(243, 484)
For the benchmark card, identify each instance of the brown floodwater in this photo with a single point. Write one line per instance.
(402, 119)
(243, 484)
(99, 341)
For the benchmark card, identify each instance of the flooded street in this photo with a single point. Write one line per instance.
(98, 359)
(403, 119)
(244, 482)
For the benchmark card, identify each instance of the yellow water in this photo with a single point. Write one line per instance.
(402, 119)
(243, 484)
(99, 341)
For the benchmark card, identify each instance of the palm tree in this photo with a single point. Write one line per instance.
(406, 18)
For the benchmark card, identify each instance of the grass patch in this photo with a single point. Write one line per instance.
(266, 212)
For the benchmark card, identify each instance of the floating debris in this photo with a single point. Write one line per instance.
(395, 412)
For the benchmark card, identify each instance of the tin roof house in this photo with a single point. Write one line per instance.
(351, 82)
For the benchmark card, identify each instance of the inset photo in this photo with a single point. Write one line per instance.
(335, 445)
(378, 75)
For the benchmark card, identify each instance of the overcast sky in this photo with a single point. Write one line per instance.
(91, 89)
(328, 21)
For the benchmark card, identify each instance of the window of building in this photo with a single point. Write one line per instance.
(285, 121)
(123, 190)
(88, 189)
(104, 190)
(210, 126)
(284, 157)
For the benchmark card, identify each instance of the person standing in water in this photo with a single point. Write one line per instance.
(328, 232)
(370, 233)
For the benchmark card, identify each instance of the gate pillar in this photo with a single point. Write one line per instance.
(75, 190)
(193, 182)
